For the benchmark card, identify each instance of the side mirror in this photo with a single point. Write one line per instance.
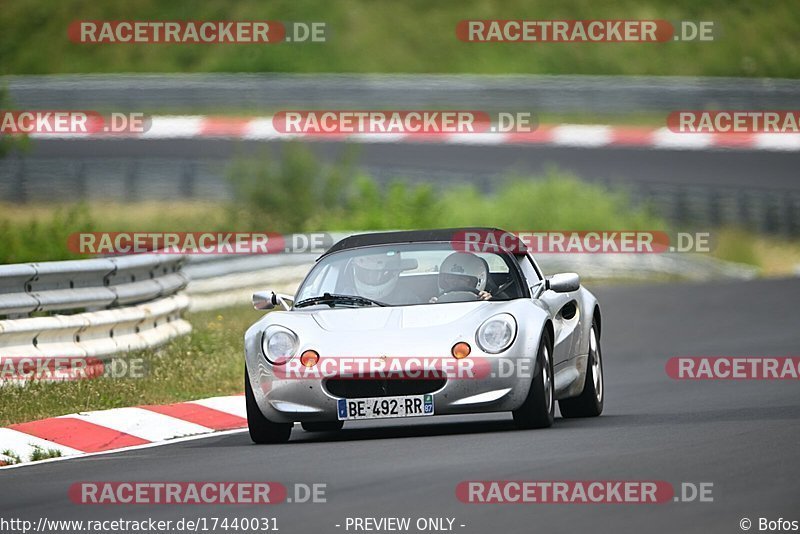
(563, 282)
(267, 300)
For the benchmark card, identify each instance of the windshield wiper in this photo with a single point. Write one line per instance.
(331, 300)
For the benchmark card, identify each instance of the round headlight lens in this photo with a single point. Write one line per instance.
(497, 333)
(279, 345)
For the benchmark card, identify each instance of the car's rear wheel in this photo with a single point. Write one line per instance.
(262, 430)
(326, 426)
(590, 402)
(538, 409)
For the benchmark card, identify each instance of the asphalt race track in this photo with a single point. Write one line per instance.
(742, 436)
(718, 168)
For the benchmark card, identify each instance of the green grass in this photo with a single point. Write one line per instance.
(206, 363)
(775, 256)
(40, 453)
(12, 458)
(415, 36)
(297, 193)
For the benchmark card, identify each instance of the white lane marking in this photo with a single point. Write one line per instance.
(581, 135)
(174, 127)
(666, 138)
(22, 444)
(777, 141)
(141, 423)
(586, 135)
(262, 128)
(233, 405)
(131, 448)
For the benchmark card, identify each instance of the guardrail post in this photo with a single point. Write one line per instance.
(771, 216)
(130, 180)
(714, 212)
(679, 210)
(79, 177)
(743, 209)
(21, 190)
(187, 187)
(790, 221)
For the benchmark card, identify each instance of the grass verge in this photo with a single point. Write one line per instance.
(208, 362)
(407, 37)
(773, 255)
(298, 193)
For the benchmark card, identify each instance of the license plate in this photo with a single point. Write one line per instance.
(385, 407)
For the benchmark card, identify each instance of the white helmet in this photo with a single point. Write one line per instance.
(376, 275)
(463, 271)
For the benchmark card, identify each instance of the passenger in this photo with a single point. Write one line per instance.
(376, 277)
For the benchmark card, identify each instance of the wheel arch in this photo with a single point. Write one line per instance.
(597, 319)
(548, 326)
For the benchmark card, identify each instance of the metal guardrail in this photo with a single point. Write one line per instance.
(774, 210)
(133, 302)
(88, 284)
(100, 333)
(561, 94)
(129, 178)
(117, 305)
(231, 281)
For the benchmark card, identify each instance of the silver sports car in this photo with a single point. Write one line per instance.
(423, 323)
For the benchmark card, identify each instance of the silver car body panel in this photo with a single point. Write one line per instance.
(428, 330)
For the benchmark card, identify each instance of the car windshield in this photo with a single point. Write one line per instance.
(409, 274)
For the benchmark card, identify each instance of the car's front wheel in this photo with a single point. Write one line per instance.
(590, 402)
(539, 407)
(262, 430)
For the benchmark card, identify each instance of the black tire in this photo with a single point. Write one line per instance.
(262, 430)
(326, 426)
(590, 402)
(539, 407)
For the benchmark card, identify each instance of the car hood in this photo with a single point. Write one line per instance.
(428, 329)
(393, 318)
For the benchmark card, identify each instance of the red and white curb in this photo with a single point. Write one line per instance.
(108, 430)
(566, 135)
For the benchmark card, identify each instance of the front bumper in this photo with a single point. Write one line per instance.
(503, 387)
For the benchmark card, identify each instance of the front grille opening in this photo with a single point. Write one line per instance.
(356, 388)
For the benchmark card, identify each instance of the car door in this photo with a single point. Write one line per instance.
(565, 310)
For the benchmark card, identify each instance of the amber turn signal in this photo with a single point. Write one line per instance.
(461, 350)
(309, 358)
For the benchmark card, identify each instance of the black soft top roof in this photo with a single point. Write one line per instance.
(479, 235)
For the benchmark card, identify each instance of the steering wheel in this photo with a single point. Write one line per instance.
(504, 286)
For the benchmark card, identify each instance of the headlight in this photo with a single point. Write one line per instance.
(279, 344)
(497, 333)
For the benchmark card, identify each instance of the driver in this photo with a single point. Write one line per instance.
(376, 277)
(463, 271)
